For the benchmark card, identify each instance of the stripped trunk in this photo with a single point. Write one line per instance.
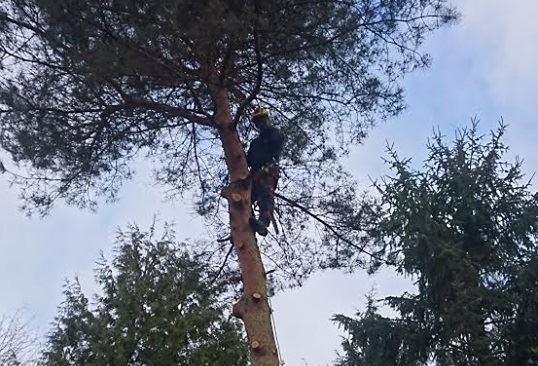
(253, 307)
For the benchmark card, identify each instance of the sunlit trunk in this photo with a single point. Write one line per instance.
(253, 307)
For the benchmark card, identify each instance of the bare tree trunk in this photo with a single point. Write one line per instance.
(253, 307)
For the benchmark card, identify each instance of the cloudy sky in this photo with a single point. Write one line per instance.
(483, 67)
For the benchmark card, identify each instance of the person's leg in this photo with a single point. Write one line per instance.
(266, 204)
(258, 197)
(270, 184)
(264, 183)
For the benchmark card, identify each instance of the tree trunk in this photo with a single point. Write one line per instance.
(253, 307)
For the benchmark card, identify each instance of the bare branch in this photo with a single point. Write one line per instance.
(16, 342)
(222, 266)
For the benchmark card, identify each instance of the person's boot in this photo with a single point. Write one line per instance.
(258, 226)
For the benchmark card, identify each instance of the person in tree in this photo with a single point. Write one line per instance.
(262, 157)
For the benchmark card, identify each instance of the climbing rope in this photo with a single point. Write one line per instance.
(273, 325)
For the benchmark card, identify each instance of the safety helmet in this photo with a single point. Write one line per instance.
(260, 111)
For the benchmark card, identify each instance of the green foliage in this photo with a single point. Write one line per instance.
(378, 341)
(89, 86)
(465, 228)
(154, 308)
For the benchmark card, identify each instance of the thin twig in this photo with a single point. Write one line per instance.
(224, 240)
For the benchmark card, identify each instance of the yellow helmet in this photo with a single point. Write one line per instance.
(260, 111)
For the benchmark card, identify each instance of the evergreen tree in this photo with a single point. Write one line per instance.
(87, 86)
(155, 307)
(465, 227)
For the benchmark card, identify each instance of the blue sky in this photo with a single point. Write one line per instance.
(483, 67)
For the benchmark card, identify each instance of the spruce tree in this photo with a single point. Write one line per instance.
(465, 229)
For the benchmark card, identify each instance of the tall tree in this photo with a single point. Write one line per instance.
(87, 86)
(465, 227)
(156, 307)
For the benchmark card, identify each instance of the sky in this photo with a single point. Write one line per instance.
(483, 67)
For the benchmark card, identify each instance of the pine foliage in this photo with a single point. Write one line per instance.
(87, 87)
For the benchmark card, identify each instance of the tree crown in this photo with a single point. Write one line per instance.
(155, 307)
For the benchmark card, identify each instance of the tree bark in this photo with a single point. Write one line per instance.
(253, 307)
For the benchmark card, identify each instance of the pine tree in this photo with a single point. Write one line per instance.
(88, 86)
(155, 307)
(465, 228)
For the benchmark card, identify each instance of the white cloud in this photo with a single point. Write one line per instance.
(509, 31)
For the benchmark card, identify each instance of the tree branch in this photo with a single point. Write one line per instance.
(133, 102)
(258, 83)
(222, 266)
(28, 26)
(334, 231)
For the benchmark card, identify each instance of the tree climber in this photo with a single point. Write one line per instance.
(262, 158)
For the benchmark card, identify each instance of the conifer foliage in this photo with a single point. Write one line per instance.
(465, 228)
(155, 307)
(87, 86)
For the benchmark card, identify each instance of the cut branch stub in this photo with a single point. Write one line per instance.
(238, 309)
(226, 192)
(231, 195)
(235, 197)
(257, 296)
(255, 345)
(234, 192)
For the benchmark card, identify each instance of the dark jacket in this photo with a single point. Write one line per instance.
(266, 148)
